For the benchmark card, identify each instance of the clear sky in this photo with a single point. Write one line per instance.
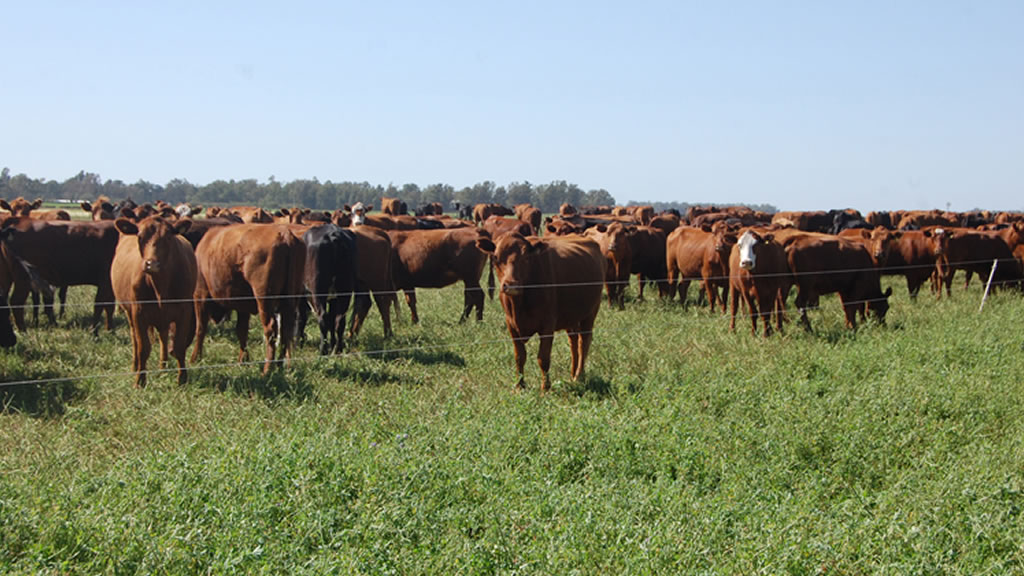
(805, 105)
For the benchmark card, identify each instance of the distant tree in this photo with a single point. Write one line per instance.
(442, 193)
(82, 186)
(520, 193)
(599, 197)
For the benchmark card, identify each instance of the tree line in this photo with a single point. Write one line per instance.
(309, 193)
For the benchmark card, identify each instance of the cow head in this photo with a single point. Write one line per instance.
(155, 236)
(939, 238)
(101, 209)
(747, 246)
(21, 207)
(881, 243)
(358, 213)
(561, 228)
(512, 256)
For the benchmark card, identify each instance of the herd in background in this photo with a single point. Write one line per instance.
(172, 271)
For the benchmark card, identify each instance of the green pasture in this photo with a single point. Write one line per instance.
(898, 449)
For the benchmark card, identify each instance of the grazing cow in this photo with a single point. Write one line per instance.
(974, 251)
(481, 212)
(330, 277)
(373, 276)
(647, 245)
(431, 209)
(759, 273)
(615, 245)
(64, 254)
(252, 269)
(21, 207)
(437, 258)
(822, 265)
(548, 284)
(393, 206)
(154, 277)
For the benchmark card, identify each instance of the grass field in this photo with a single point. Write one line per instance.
(898, 449)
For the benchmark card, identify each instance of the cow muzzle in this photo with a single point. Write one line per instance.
(747, 264)
(151, 266)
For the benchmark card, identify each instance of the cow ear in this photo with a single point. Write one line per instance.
(550, 228)
(6, 206)
(182, 226)
(126, 226)
(129, 213)
(368, 208)
(602, 228)
(86, 206)
(37, 203)
(485, 245)
(282, 212)
(196, 211)
(769, 238)
(927, 233)
(346, 208)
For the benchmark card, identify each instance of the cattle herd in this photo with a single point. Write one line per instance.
(172, 270)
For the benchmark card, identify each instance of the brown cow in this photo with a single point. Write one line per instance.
(7, 336)
(974, 251)
(438, 258)
(529, 214)
(393, 206)
(911, 255)
(21, 207)
(643, 215)
(548, 284)
(916, 219)
(822, 265)
(252, 269)
(373, 277)
(481, 212)
(615, 245)
(647, 245)
(691, 253)
(560, 227)
(64, 254)
(154, 277)
(759, 273)
(101, 209)
(666, 222)
(879, 241)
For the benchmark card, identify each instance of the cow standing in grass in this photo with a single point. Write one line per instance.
(547, 285)
(154, 276)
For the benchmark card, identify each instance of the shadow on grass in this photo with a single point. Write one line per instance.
(361, 376)
(592, 387)
(292, 383)
(40, 400)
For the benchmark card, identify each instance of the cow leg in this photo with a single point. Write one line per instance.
(640, 287)
(967, 278)
(850, 310)
(270, 331)
(182, 337)
(142, 342)
(410, 299)
(164, 333)
(683, 288)
(801, 303)
(63, 295)
(48, 308)
(574, 350)
(585, 337)
(288, 311)
(472, 297)
(103, 304)
(544, 360)
(779, 306)
(383, 302)
(766, 305)
(326, 322)
(359, 312)
(202, 322)
(35, 309)
(242, 332)
(519, 344)
(734, 302)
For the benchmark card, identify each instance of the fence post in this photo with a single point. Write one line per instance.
(988, 285)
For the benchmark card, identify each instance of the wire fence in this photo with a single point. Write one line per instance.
(893, 270)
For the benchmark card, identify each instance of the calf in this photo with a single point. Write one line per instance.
(437, 258)
(330, 277)
(547, 285)
(393, 206)
(647, 245)
(252, 269)
(758, 273)
(154, 276)
(691, 253)
(373, 276)
(973, 251)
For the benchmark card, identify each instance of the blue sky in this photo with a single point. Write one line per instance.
(804, 105)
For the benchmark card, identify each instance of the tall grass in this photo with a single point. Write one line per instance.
(897, 449)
